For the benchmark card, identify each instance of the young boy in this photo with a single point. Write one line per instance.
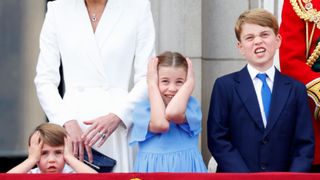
(259, 119)
(50, 150)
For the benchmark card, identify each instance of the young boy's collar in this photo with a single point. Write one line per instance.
(253, 72)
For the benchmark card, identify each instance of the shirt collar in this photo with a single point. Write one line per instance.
(253, 72)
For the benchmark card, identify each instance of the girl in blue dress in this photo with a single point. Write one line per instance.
(167, 125)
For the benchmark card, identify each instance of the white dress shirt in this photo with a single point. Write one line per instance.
(257, 83)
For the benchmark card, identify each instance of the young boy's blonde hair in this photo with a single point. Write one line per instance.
(260, 17)
(51, 134)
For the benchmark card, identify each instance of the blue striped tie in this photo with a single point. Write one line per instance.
(265, 93)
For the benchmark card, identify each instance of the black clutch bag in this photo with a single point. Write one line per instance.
(101, 163)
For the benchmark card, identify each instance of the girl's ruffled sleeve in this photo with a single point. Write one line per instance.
(193, 118)
(141, 120)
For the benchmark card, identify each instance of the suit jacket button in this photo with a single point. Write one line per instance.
(265, 141)
(263, 166)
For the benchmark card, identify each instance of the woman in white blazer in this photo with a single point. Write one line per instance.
(103, 45)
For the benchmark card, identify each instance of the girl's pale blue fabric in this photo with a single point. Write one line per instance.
(173, 151)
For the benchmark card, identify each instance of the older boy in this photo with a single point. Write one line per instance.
(259, 119)
(50, 150)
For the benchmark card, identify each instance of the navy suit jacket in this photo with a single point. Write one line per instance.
(237, 138)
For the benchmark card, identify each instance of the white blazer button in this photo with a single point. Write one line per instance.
(80, 89)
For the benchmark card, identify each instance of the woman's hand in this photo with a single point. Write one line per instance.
(101, 128)
(75, 133)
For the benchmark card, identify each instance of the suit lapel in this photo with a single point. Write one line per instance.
(87, 35)
(280, 94)
(108, 21)
(248, 96)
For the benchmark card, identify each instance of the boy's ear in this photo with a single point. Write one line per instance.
(279, 40)
(239, 46)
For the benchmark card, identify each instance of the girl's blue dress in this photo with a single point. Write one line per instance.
(173, 151)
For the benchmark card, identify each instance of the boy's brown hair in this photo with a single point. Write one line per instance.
(172, 59)
(260, 17)
(51, 134)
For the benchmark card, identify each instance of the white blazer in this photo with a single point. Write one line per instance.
(97, 66)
